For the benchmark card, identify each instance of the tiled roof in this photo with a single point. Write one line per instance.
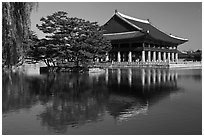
(124, 35)
(146, 27)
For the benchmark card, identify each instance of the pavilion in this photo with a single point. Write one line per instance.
(137, 40)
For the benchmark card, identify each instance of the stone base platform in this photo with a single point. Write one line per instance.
(148, 64)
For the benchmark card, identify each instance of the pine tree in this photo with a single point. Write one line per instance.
(77, 40)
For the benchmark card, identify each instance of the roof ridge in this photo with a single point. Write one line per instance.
(118, 33)
(133, 18)
(121, 17)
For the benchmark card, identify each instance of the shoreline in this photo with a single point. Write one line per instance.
(41, 68)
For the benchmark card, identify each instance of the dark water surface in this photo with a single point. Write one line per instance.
(118, 101)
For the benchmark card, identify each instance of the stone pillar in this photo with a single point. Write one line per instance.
(107, 56)
(164, 56)
(119, 58)
(130, 56)
(143, 56)
(172, 57)
(159, 56)
(169, 59)
(154, 56)
(176, 57)
(97, 59)
(149, 56)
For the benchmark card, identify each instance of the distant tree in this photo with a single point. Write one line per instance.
(77, 40)
(197, 55)
(15, 29)
(192, 55)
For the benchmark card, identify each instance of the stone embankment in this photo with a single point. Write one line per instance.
(186, 65)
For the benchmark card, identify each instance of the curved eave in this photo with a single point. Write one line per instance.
(178, 38)
(123, 35)
(150, 29)
(173, 38)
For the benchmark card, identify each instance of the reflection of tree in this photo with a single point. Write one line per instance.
(69, 100)
(14, 93)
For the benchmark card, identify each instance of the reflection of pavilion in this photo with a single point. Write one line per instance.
(147, 77)
(124, 107)
(141, 88)
(157, 76)
(132, 112)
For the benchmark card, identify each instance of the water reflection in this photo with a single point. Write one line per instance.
(72, 100)
(138, 90)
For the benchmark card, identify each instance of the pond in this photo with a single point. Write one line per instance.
(115, 102)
